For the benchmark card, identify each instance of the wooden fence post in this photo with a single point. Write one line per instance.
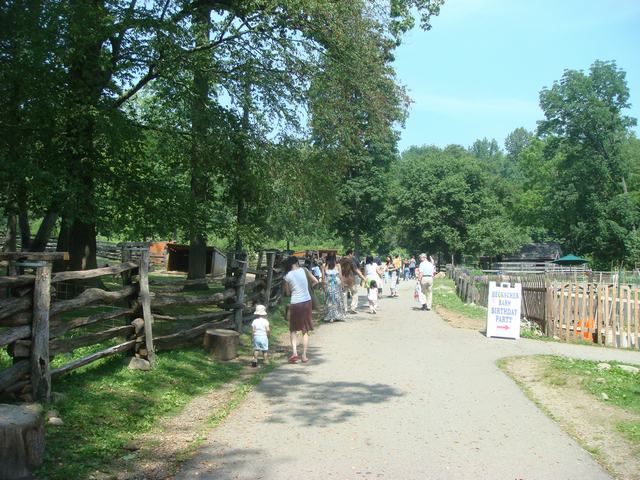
(576, 310)
(549, 313)
(260, 255)
(127, 276)
(240, 281)
(561, 314)
(146, 305)
(271, 258)
(628, 344)
(598, 315)
(40, 372)
(637, 318)
(231, 262)
(605, 316)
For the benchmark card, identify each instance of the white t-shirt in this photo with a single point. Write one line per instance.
(370, 270)
(260, 326)
(373, 294)
(427, 268)
(297, 280)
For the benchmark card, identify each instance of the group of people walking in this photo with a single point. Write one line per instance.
(340, 280)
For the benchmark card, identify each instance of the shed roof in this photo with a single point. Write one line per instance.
(537, 251)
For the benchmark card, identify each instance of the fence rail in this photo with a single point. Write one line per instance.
(591, 306)
(32, 327)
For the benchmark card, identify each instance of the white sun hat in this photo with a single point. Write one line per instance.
(261, 310)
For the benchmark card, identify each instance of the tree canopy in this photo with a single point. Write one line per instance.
(144, 119)
(257, 122)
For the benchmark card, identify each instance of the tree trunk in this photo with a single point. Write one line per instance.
(221, 344)
(39, 243)
(11, 240)
(62, 245)
(21, 440)
(241, 166)
(197, 263)
(23, 219)
(356, 237)
(199, 180)
(82, 256)
(89, 76)
(82, 246)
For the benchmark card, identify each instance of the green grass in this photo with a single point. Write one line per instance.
(5, 359)
(444, 295)
(622, 388)
(105, 405)
(631, 430)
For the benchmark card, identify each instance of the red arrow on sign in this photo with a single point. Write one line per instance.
(504, 327)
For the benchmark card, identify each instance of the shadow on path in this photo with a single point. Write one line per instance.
(319, 403)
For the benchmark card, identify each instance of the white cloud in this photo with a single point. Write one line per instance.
(451, 104)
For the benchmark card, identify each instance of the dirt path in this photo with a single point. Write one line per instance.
(399, 395)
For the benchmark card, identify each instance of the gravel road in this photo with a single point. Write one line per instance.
(399, 395)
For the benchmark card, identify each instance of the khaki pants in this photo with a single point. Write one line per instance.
(427, 290)
(353, 289)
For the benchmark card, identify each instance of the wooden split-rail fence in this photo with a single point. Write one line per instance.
(595, 308)
(35, 325)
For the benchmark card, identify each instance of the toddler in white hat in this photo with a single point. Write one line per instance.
(260, 328)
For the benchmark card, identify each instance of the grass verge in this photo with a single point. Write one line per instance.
(444, 295)
(619, 387)
(611, 433)
(105, 405)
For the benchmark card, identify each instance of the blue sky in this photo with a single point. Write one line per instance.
(478, 72)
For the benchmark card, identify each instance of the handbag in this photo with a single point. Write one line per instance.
(418, 295)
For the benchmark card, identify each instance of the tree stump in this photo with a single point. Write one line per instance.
(21, 440)
(221, 344)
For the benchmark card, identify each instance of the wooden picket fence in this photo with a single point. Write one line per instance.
(567, 306)
(475, 289)
(607, 314)
(33, 330)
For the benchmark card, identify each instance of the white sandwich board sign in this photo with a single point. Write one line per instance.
(504, 306)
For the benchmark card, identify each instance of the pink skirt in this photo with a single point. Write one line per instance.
(300, 317)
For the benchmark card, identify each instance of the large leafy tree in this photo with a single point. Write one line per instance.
(356, 104)
(585, 129)
(445, 201)
(165, 106)
(516, 142)
(31, 95)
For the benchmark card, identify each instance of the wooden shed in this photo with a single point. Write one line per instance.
(532, 257)
(178, 260)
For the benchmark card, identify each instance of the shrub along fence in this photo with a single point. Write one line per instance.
(35, 325)
(600, 308)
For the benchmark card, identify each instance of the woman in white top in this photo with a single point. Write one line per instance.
(296, 283)
(372, 272)
(370, 269)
